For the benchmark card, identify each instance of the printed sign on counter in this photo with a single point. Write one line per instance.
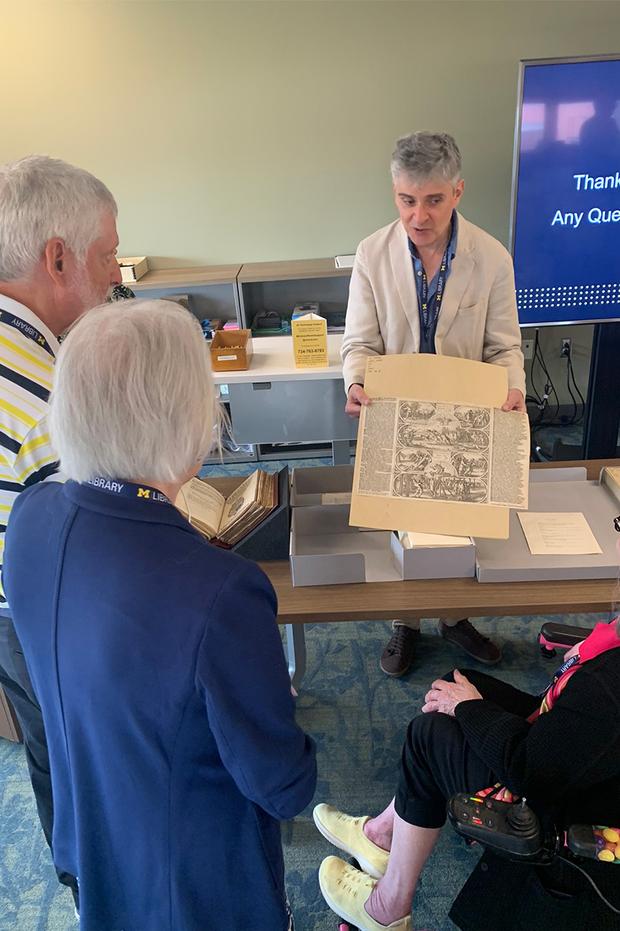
(310, 341)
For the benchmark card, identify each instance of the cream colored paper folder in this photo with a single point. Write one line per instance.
(435, 454)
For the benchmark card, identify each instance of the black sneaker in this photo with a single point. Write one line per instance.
(398, 654)
(465, 636)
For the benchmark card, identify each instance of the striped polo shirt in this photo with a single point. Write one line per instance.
(27, 352)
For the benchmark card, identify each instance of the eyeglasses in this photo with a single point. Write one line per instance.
(617, 523)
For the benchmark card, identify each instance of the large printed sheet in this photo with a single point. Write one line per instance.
(435, 454)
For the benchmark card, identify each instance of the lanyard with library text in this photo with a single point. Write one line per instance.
(552, 692)
(435, 303)
(26, 328)
(572, 661)
(116, 486)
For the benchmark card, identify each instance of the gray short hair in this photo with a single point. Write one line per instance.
(133, 394)
(423, 156)
(41, 198)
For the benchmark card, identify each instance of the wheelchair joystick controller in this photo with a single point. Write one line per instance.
(521, 819)
(509, 828)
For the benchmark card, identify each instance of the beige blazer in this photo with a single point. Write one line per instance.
(478, 318)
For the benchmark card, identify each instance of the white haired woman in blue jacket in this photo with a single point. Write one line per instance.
(155, 656)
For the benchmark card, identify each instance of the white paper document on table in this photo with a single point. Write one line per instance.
(558, 534)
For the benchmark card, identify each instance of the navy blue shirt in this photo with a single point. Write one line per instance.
(427, 339)
(173, 746)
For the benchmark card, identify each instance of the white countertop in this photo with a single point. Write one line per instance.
(272, 360)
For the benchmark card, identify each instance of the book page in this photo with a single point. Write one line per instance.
(510, 454)
(434, 451)
(240, 500)
(558, 534)
(255, 512)
(201, 503)
(449, 452)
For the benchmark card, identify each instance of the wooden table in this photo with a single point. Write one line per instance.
(380, 601)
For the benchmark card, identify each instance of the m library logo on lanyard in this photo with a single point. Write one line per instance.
(555, 687)
(27, 329)
(430, 309)
(115, 486)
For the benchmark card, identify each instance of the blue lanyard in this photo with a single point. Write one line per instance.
(115, 486)
(573, 661)
(435, 303)
(26, 328)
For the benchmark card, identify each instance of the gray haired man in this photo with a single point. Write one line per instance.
(58, 246)
(431, 282)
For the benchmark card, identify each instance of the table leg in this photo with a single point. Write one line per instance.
(295, 653)
(341, 452)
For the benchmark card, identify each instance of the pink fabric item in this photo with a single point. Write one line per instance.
(602, 638)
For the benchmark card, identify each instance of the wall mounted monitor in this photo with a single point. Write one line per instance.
(566, 191)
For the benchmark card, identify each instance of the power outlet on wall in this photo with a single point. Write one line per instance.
(527, 347)
(565, 348)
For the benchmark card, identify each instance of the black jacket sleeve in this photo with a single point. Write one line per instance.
(571, 748)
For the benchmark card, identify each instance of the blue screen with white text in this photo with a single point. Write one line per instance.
(566, 240)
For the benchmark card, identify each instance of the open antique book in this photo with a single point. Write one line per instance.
(223, 520)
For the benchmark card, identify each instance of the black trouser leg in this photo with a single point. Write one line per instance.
(436, 764)
(16, 683)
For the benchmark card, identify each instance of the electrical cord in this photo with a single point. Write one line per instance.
(541, 402)
(581, 397)
(537, 399)
(571, 383)
(573, 418)
(549, 386)
(550, 396)
(576, 386)
(615, 910)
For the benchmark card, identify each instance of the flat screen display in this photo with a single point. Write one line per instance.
(566, 194)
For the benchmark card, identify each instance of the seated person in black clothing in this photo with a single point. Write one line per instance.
(561, 751)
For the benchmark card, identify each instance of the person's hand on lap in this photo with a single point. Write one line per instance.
(445, 696)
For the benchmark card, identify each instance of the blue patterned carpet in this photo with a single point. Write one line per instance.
(358, 717)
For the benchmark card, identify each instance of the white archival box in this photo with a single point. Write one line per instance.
(326, 550)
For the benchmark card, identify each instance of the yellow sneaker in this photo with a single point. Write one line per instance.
(346, 891)
(346, 833)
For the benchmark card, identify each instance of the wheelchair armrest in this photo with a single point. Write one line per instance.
(562, 635)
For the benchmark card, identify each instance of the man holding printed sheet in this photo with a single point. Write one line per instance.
(431, 282)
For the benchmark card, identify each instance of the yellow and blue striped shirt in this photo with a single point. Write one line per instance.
(27, 353)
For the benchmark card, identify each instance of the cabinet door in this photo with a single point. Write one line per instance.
(296, 411)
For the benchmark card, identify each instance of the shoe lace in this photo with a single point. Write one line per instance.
(353, 881)
(398, 643)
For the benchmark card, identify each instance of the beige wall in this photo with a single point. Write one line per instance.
(241, 131)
